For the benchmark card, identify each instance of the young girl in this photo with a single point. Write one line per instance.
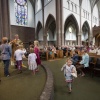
(32, 61)
(68, 69)
(36, 51)
(18, 57)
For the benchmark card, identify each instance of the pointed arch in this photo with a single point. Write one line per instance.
(39, 26)
(50, 27)
(72, 23)
(86, 32)
(49, 20)
(71, 18)
(50, 23)
(86, 24)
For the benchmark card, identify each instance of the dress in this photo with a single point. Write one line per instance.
(32, 61)
(36, 51)
(67, 71)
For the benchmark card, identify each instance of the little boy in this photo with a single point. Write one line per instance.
(18, 54)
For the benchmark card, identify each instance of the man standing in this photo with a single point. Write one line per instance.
(14, 43)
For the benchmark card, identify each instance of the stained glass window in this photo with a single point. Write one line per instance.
(21, 12)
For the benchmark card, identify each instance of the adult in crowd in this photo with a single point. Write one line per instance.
(37, 52)
(14, 43)
(75, 58)
(6, 51)
(84, 63)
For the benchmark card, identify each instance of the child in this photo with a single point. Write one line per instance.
(18, 54)
(32, 60)
(68, 70)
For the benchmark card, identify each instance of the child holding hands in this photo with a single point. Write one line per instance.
(69, 70)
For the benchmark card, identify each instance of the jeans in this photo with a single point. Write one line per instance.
(6, 67)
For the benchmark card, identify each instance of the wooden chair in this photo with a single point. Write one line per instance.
(58, 53)
(61, 54)
(51, 53)
(71, 53)
(96, 67)
(67, 53)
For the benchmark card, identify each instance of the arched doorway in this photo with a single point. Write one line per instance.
(71, 30)
(39, 33)
(50, 30)
(85, 33)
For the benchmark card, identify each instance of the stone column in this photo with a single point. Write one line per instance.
(44, 30)
(91, 31)
(0, 21)
(80, 31)
(5, 18)
(58, 22)
(62, 24)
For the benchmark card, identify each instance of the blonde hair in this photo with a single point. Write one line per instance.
(4, 40)
(36, 43)
(69, 59)
(19, 47)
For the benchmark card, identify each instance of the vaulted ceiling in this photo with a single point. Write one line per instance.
(93, 2)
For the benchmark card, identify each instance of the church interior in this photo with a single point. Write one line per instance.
(37, 37)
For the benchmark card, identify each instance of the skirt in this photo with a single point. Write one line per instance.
(33, 65)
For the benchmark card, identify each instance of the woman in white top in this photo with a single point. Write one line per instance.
(32, 61)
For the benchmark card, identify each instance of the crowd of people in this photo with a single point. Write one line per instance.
(75, 63)
(14, 52)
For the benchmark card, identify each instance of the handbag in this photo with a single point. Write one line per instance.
(75, 73)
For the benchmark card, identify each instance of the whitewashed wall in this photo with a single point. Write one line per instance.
(86, 12)
(95, 16)
(67, 10)
(38, 12)
(40, 35)
(30, 14)
(72, 35)
(50, 36)
(84, 36)
(49, 9)
(38, 17)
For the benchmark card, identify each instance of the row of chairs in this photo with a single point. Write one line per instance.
(51, 55)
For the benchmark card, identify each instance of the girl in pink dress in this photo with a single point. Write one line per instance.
(36, 51)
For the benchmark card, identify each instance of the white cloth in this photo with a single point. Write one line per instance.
(92, 51)
(98, 52)
(18, 54)
(32, 61)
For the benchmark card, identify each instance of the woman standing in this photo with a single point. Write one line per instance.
(36, 51)
(5, 49)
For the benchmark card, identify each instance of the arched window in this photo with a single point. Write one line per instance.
(21, 12)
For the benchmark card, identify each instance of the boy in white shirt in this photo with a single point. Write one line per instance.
(18, 54)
